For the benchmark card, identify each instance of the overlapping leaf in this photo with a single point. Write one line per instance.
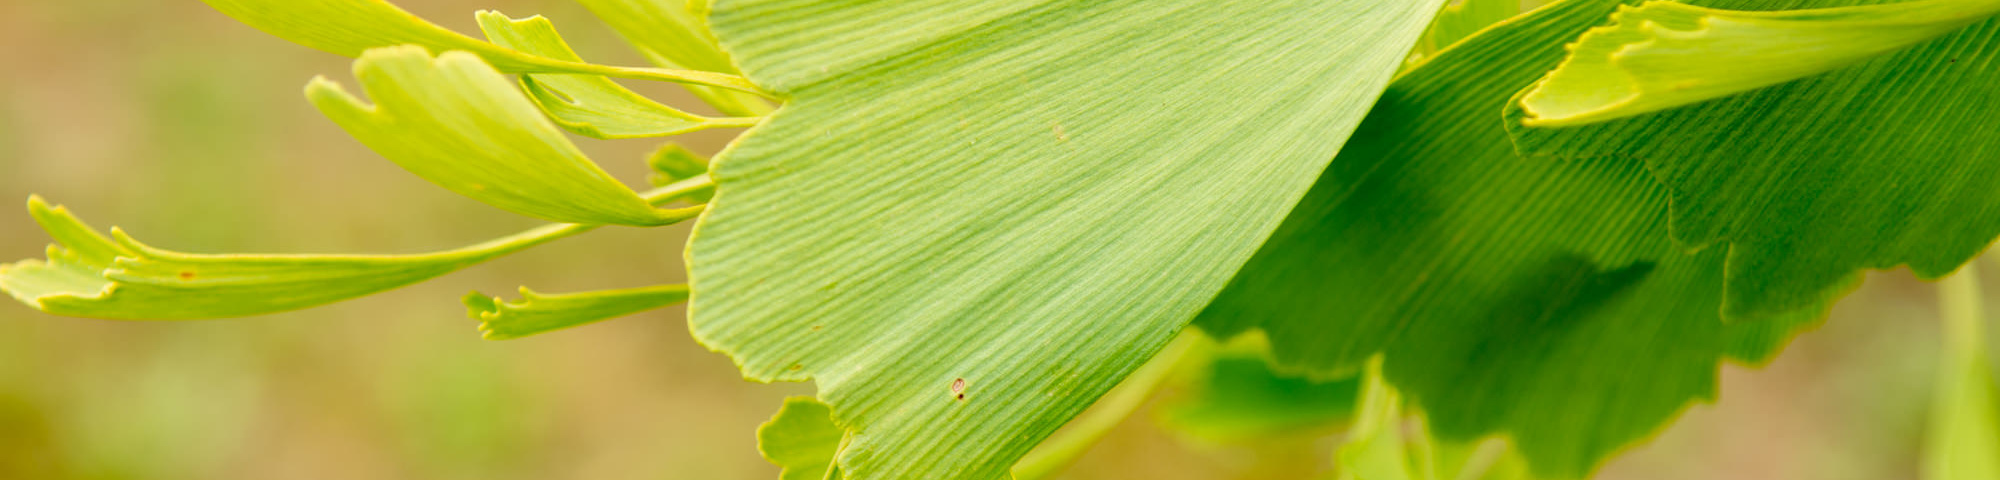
(455, 121)
(1542, 300)
(1030, 197)
(590, 105)
(1889, 162)
(350, 27)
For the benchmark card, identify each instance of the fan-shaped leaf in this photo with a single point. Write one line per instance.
(1024, 198)
(1550, 288)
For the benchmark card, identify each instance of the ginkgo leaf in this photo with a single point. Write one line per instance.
(1889, 162)
(455, 121)
(90, 275)
(1549, 288)
(802, 440)
(590, 105)
(1025, 198)
(536, 313)
(1665, 54)
(350, 27)
(671, 34)
(1964, 438)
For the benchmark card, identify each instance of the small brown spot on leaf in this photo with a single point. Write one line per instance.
(185, 275)
(816, 328)
(958, 388)
(797, 366)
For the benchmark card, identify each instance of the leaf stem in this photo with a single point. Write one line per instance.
(548, 233)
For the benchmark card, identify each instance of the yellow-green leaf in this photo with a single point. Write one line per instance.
(90, 275)
(350, 27)
(455, 121)
(590, 105)
(1665, 54)
(1025, 198)
(536, 312)
(671, 34)
(802, 440)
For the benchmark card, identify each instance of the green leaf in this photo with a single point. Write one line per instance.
(802, 440)
(350, 27)
(1885, 163)
(537, 313)
(1964, 437)
(90, 275)
(1550, 288)
(458, 123)
(671, 34)
(1664, 54)
(1033, 197)
(1237, 397)
(590, 105)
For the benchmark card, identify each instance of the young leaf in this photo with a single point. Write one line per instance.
(537, 313)
(458, 123)
(671, 34)
(1665, 54)
(1886, 163)
(1027, 199)
(590, 105)
(802, 440)
(1551, 288)
(350, 27)
(1463, 18)
(89, 275)
(1964, 437)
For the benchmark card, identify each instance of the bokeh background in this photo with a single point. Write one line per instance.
(189, 130)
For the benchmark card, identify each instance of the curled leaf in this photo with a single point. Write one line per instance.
(537, 313)
(590, 105)
(455, 121)
(1665, 54)
(90, 275)
(350, 27)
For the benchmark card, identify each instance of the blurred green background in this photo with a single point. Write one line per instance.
(188, 130)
